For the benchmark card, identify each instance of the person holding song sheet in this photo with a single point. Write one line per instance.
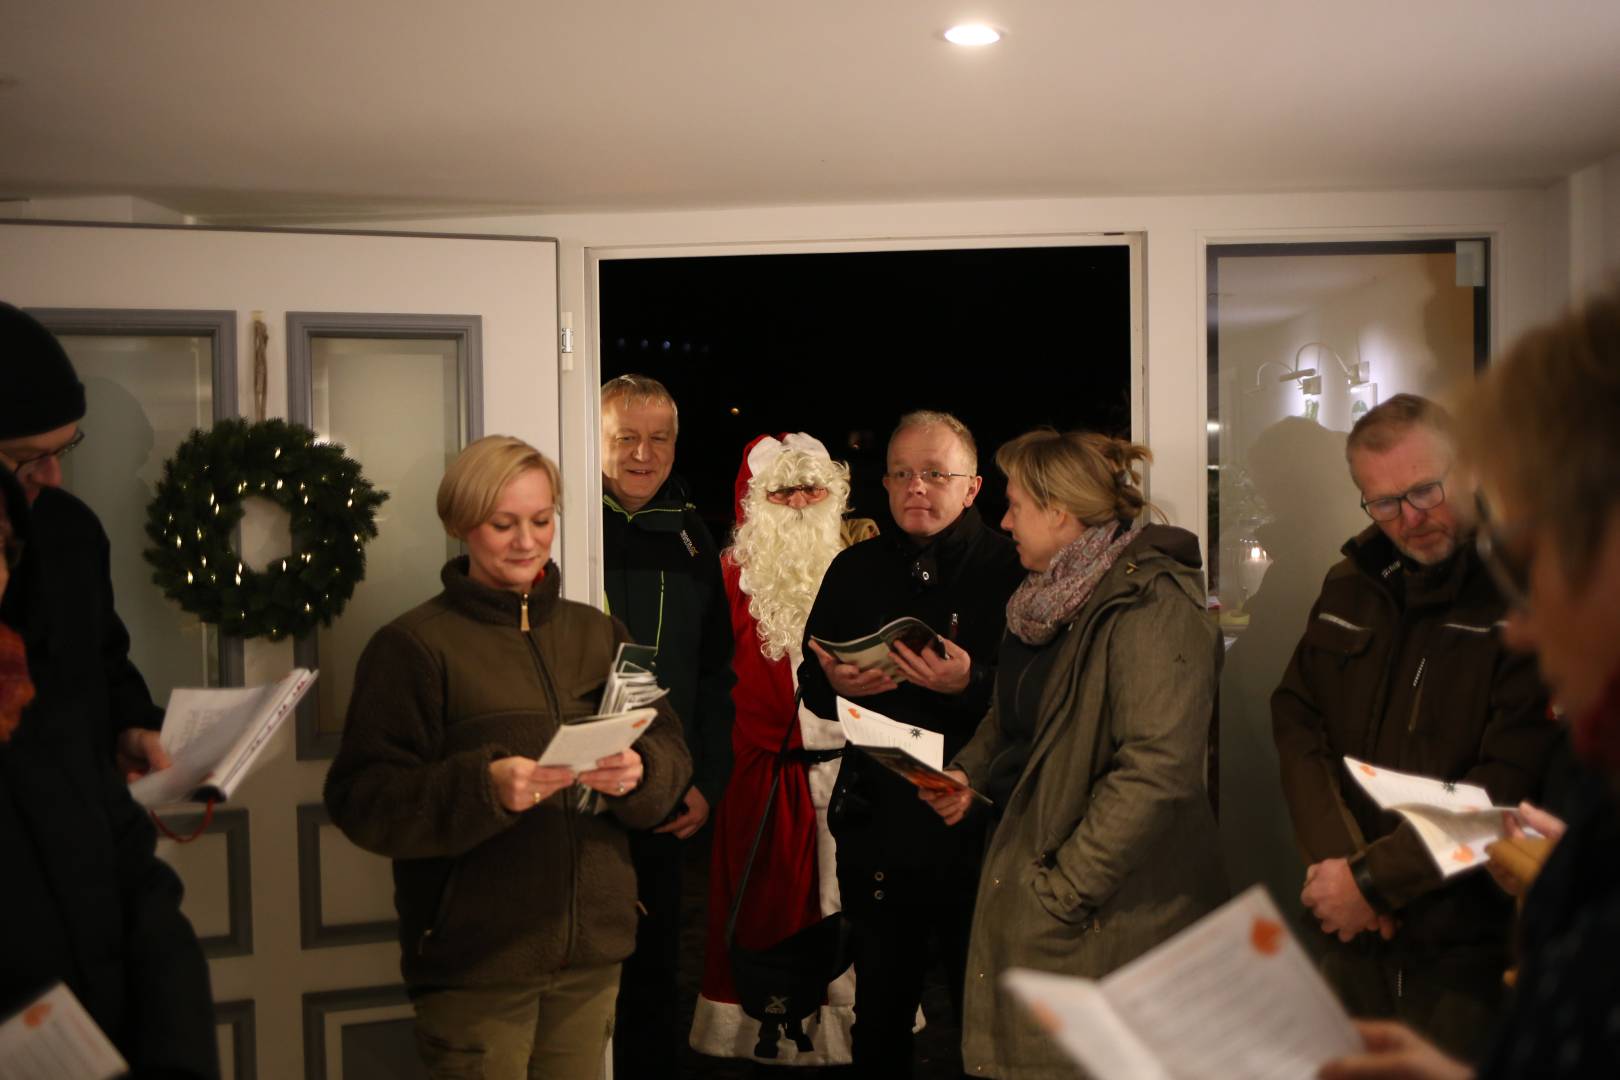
(1094, 746)
(516, 897)
(86, 902)
(907, 882)
(1542, 436)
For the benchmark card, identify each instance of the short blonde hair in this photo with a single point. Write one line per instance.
(1091, 476)
(1387, 423)
(927, 418)
(475, 479)
(1542, 428)
(635, 389)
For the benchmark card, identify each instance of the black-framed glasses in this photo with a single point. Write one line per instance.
(29, 465)
(931, 477)
(1422, 497)
(1507, 562)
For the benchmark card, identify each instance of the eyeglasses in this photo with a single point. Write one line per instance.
(28, 466)
(1507, 563)
(931, 477)
(1423, 497)
(785, 494)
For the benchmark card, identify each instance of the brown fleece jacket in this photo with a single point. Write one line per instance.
(486, 896)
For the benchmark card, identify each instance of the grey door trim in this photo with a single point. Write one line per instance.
(220, 328)
(467, 331)
(319, 1005)
(314, 932)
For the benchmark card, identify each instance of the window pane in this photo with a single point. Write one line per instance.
(1368, 321)
(144, 395)
(396, 405)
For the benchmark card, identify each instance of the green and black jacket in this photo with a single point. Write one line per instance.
(661, 572)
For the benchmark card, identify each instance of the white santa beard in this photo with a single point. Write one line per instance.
(783, 554)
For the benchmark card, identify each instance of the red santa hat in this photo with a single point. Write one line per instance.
(761, 454)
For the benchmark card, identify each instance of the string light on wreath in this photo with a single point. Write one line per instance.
(199, 504)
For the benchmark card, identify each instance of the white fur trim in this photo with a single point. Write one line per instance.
(770, 448)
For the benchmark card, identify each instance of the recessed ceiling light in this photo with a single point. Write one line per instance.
(972, 34)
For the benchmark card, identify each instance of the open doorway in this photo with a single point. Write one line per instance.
(841, 344)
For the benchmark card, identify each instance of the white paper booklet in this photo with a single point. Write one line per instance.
(53, 1036)
(1454, 821)
(631, 684)
(1232, 995)
(863, 727)
(215, 736)
(581, 744)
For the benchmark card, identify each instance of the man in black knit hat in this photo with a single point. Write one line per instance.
(70, 602)
(86, 902)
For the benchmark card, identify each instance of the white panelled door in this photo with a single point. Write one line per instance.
(305, 970)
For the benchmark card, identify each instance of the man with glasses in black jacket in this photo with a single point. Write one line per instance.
(1402, 665)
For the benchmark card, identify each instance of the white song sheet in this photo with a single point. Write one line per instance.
(582, 744)
(54, 1037)
(1455, 821)
(863, 727)
(1232, 995)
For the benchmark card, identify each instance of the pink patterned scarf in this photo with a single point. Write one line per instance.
(1049, 598)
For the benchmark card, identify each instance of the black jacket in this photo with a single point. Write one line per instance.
(1408, 670)
(61, 601)
(85, 900)
(661, 573)
(967, 571)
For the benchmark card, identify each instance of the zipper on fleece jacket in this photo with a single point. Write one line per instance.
(567, 811)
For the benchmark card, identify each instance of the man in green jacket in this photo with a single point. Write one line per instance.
(1402, 665)
(662, 580)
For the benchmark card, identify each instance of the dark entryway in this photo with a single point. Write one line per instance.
(840, 345)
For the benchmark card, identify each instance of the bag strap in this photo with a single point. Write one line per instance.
(764, 818)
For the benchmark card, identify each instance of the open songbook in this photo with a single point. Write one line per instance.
(215, 736)
(915, 754)
(625, 713)
(1454, 821)
(872, 651)
(1232, 995)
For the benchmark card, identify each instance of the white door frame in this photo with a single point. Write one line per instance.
(582, 441)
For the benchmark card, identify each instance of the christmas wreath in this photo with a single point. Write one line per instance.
(198, 505)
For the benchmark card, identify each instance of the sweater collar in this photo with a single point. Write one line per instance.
(500, 606)
(664, 512)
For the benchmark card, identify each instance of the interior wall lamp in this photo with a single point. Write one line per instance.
(1310, 378)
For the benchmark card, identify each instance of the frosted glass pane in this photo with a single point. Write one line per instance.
(396, 404)
(144, 395)
(1372, 324)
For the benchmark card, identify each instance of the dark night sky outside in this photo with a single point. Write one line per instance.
(840, 345)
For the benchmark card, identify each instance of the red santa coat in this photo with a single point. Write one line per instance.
(793, 883)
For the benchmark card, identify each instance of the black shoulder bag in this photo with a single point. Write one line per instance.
(784, 983)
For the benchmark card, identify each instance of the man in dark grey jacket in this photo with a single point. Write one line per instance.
(661, 576)
(1402, 665)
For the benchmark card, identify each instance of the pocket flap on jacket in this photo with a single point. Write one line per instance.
(1336, 634)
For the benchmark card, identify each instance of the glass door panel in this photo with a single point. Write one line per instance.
(144, 394)
(1303, 339)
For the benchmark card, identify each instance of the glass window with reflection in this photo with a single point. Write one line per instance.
(1304, 339)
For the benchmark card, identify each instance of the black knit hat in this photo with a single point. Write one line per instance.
(39, 390)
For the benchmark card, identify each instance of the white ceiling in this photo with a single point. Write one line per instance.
(297, 109)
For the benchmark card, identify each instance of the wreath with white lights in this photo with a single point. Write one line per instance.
(199, 503)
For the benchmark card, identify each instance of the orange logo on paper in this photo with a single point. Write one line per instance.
(1266, 936)
(36, 1014)
(853, 711)
(1463, 854)
(1045, 1017)
(638, 725)
(1369, 770)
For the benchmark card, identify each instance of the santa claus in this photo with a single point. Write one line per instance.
(791, 498)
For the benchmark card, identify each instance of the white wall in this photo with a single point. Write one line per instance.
(1175, 231)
